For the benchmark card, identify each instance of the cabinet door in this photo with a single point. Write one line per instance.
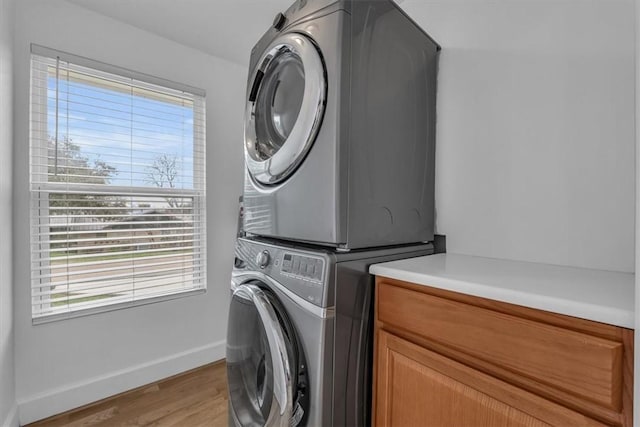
(417, 387)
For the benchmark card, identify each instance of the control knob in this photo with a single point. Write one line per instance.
(263, 259)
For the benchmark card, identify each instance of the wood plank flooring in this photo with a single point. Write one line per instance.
(191, 399)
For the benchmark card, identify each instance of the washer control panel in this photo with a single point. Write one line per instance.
(300, 271)
(303, 267)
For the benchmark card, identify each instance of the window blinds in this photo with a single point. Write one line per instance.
(117, 187)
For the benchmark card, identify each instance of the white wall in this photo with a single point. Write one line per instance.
(535, 143)
(65, 364)
(8, 414)
(636, 335)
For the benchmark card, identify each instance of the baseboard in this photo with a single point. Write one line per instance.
(52, 402)
(12, 417)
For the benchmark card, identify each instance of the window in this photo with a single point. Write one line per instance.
(117, 187)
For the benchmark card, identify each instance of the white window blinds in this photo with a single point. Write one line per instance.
(117, 187)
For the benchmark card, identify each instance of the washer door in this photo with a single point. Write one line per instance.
(285, 106)
(263, 378)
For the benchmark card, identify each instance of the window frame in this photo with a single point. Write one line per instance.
(39, 189)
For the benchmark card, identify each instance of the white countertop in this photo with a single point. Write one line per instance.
(601, 296)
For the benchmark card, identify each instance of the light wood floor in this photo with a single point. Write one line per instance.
(192, 399)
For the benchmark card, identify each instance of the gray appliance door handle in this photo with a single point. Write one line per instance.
(281, 408)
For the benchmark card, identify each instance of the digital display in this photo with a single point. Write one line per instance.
(303, 267)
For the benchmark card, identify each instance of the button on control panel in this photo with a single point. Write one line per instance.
(303, 267)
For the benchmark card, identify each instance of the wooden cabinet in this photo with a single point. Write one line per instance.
(445, 359)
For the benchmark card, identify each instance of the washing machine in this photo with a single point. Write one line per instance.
(340, 118)
(299, 339)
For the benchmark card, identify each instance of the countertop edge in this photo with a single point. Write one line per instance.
(596, 313)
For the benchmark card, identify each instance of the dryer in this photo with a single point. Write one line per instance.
(340, 126)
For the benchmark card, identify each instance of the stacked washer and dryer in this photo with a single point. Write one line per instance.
(339, 154)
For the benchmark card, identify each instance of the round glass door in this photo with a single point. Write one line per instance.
(261, 367)
(285, 106)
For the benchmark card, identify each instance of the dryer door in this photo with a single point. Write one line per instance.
(263, 373)
(285, 106)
